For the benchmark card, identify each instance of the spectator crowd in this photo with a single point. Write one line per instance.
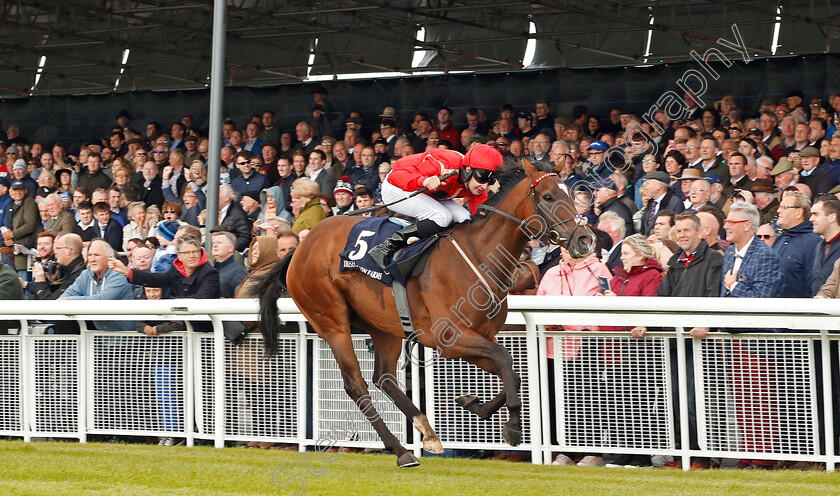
(725, 202)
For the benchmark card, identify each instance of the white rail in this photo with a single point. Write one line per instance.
(757, 395)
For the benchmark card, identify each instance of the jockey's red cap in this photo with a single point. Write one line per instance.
(483, 157)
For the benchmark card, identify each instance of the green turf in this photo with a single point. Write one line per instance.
(114, 469)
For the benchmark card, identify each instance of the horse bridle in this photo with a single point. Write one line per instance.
(523, 224)
(551, 234)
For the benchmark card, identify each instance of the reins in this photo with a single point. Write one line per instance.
(524, 222)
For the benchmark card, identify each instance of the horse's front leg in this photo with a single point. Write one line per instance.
(493, 358)
(473, 404)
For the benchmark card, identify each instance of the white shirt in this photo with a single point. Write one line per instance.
(223, 211)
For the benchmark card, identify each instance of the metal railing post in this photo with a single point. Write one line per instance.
(191, 368)
(544, 392)
(828, 400)
(84, 369)
(682, 391)
(218, 382)
(534, 389)
(27, 388)
(303, 408)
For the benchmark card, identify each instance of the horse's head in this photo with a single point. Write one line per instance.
(554, 217)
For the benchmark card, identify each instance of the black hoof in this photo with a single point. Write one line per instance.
(407, 460)
(512, 436)
(466, 401)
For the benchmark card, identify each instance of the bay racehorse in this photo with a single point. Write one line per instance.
(459, 305)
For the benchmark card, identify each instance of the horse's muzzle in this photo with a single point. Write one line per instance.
(582, 243)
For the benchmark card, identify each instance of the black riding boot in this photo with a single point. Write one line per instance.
(381, 254)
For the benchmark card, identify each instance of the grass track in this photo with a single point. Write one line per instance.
(116, 469)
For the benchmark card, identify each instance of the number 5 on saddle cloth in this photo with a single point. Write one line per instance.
(407, 262)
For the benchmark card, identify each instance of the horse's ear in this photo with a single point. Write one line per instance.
(532, 171)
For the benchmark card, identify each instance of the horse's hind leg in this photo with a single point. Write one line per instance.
(356, 387)
(388, 349)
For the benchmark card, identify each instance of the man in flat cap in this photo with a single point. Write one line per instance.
(812, 175)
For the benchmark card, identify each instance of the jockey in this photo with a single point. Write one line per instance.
(435, 209)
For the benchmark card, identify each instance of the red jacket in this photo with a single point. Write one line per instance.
(450, 134)
(409, 173)
(643, 280)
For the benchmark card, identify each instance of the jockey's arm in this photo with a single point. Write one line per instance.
(410, 172)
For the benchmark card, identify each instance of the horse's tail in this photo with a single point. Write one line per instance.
(270, 287)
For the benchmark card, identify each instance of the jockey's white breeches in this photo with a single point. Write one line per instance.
(423, 206)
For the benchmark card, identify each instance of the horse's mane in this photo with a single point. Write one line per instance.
(507, 181)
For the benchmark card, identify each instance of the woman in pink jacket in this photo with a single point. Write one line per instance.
(575, 277)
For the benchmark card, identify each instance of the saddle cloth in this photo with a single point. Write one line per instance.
(365, 235)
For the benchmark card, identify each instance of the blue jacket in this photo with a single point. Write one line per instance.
(367, 177)
(111, 286)
(796, 250)
(823, 266)
(833, 168)
(256, 182)
(255, 148)
(4, 202)
(231, 275)
(760, 275)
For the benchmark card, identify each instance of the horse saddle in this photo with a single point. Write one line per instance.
(408, 262)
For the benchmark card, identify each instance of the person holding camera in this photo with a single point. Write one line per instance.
(52, 277)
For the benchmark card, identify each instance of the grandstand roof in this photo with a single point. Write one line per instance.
(85, 46)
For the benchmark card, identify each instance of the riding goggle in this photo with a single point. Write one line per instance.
(484, 176)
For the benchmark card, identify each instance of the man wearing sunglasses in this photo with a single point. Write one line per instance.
(248, 178)
(436, 208)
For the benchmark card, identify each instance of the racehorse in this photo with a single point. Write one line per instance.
(459, 305)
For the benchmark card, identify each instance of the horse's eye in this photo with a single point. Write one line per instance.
(548, 197)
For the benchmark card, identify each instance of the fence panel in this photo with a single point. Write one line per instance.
(11, 388)
(613, 394)
(757, 396)
(137, 384)
(54, 377)
(458, 428)
(335, 416)
(261, 396)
